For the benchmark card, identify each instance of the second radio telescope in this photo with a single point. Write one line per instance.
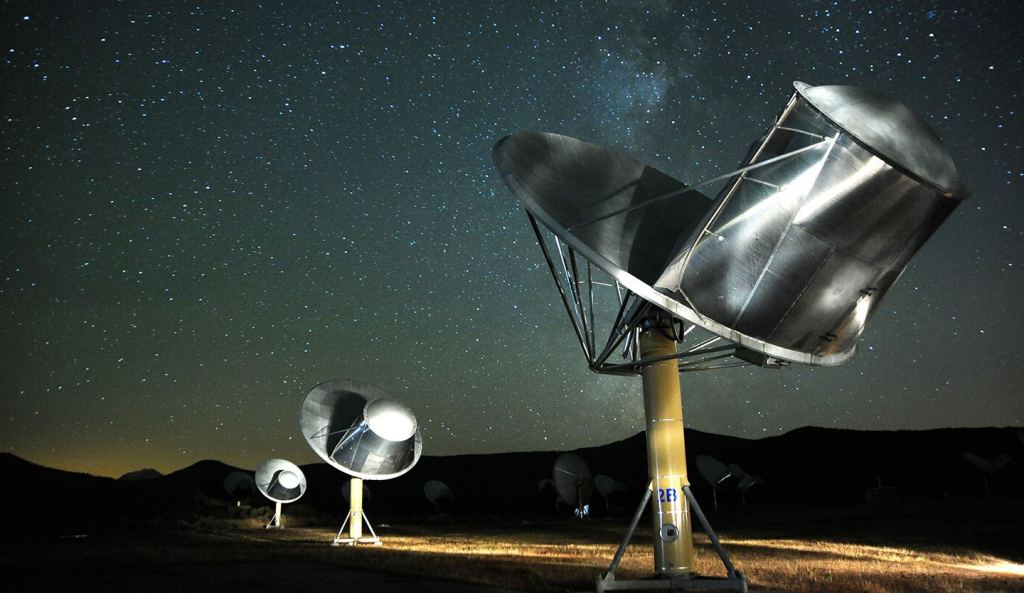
(356, 428)
(573, 482)
(239, 485)
(439, 494)
(359, 430)
(281, 481)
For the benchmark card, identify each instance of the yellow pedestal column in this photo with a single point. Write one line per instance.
(355, 509)
(666, 452)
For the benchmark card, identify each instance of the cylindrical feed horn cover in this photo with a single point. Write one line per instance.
(280, 480)
(356, 428)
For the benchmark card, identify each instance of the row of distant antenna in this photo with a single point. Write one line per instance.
(574, 485)
(724, 477)
(356, 428)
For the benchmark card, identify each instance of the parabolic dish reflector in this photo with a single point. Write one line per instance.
(357, 429)
(280, 480)
(572, 479)
(607, 485)
(437, 491)
(713, 470)
(239, 484)
(792, 257)
(746, 481)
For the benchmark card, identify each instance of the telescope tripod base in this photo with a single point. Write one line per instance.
(361, 539)
(348, 541)
(275, 521)
(734, 581)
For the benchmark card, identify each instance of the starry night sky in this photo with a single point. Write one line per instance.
(209, 208)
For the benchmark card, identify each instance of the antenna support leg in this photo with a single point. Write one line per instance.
(356, 516)
(275, 521)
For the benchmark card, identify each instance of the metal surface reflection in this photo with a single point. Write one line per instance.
(792, 257)
(355, 428)
(280, 480)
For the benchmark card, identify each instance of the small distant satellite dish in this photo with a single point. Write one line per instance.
(712, 470)
(716, 473)
(883, 500)
(360, 430)
(608, 487)
(239, 485)
(438, 493)
(573, 482)
(346, 492)
(746, 481)
(281, 481)
(988, 468)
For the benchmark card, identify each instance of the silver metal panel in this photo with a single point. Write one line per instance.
(889, 129)
(336, 422)
(794, 254)
(566, 182)
(273, 477)
(800, 268)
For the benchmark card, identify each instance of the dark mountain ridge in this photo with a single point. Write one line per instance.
(805, 467)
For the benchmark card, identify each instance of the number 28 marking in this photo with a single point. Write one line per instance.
(668, 495)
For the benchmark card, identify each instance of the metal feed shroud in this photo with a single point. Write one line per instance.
(785, 265)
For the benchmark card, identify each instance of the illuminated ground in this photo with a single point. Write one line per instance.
(542, 558)
(944, 549)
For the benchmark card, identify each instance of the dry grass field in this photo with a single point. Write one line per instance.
(568, 558)
(941, 549)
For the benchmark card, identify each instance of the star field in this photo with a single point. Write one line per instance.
(209, 209)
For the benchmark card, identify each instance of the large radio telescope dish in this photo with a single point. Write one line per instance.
(787, 264)
(357, 429)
